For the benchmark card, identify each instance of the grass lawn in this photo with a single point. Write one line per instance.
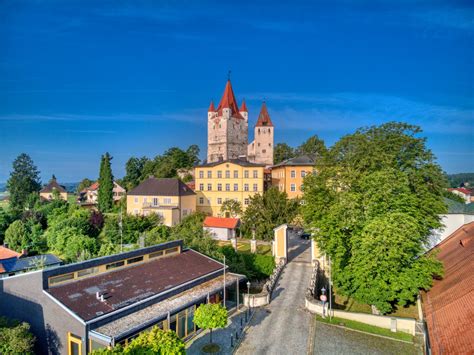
(350, 305)
(366, 328)
(4, 204)
(244, 247)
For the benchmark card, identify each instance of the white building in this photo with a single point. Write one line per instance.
(221, 228)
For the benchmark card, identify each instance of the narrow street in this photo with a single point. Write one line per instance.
(283, 326)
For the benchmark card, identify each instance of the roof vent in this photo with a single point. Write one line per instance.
(102, 299)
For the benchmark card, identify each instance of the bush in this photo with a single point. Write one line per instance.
(254, 266)
(15, 337)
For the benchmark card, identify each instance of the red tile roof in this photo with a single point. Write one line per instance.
(449, 304)
(218, 222)
(228, 101)
(211, 107)
(264, 117)
(132, 284)
(6, 253)
(461, 189)
(243, 107)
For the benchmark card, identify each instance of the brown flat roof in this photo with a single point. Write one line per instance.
(126, 286)
(449, 304)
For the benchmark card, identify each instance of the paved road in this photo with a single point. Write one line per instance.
(283, 326)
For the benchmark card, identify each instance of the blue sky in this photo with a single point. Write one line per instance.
(79, 78)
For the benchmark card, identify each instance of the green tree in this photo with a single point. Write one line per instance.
(16, 236)
(5, 220)
(134, 172)
(313, 147)
(210, 316)
(377, 196)
(231, 207)
(282, 152)
(83, 184)
(15, 337)
(156, 341)
(106, 184)
(24, 179)
(268, 211)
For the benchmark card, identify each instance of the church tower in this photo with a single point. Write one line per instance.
(261, 149)
(227, 128)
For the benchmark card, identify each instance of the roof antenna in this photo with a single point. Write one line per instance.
(228, 75)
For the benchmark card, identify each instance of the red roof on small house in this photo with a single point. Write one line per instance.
(220, 222)
(264, 117)
(228, 100)
(6, 253)
(449, 305)
(461, 189)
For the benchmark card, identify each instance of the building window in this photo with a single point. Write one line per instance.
(144, 200)
(227, 174)
(293, 173)
(167, 201)
(258, 144)
(136, 199)
(155, 201)
(246, 201)
(236, 187)
(293, 187)
(219, 187)
(219, 201)
(246, 174)
(209, 174)
(156, 254)
(61, 278)
(115, 265)
(255, 187)
(303, 173)
(185, 212)
(219, 174)
(201, 200)
(246, 187)
(227, 187)
(201, 187)
(255, 174)
(236, 174)
(209, 187)
(74, 344)
(201, 174)
(134, 260)
(264, 151)
(269, 144)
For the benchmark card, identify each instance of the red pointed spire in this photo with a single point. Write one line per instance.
(243, 107)
(228, 101)
(264, 117)
(211, 107)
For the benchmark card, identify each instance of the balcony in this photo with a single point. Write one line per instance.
(149, 205)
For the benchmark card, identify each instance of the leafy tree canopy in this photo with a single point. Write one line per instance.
(105, 195)
(372, 205)
(281, 152)
(15, 337)
(268, 211)
(210, 316)
(231, 207)
(313, 146)
(83, 184)
(24, 179)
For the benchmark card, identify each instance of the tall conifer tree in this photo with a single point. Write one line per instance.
(106, 184)
(24, 180)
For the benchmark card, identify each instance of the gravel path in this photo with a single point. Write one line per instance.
(283, 326)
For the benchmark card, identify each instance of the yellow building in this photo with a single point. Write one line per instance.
(288, 175)
(48, 192)
(219, 181)
(169, 198)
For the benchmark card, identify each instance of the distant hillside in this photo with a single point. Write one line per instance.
(455, 180)
(3, 187)
(70, 186)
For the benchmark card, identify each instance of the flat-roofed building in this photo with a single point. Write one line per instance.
(288, 175)
(235, 179)
(171, 199)
(102, 302)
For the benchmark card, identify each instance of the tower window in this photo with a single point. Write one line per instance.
(264, 151)
(269, 144)
(258, 144)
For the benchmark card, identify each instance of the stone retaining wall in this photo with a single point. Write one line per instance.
(263, 298)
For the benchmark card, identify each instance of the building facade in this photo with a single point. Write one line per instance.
(90, 195)
(77, 308)
(47, 192)
(235, 179)
(227, 132)
(288, 176)
(171, 199)
(221, 228)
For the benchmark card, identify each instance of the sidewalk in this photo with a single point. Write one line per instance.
(220, 336)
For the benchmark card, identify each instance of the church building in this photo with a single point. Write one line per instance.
(227, 132)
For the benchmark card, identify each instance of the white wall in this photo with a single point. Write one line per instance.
(219, 233)
(451, 222)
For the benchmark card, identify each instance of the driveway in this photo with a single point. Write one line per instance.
(282, 327)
